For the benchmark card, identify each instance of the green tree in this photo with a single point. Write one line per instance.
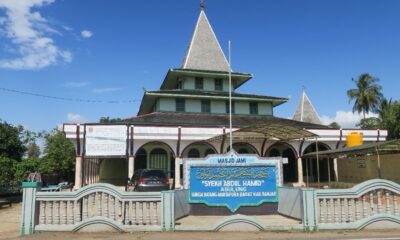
(11, 145)
(6, 170)
(369, 123)
(334, 125)
(109, 120)
(59, 156)
(26, 166)
(390, 119)
(367, 96)
(32, 150)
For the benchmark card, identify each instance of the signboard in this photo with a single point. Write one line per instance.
(106, 140)
(233, 180)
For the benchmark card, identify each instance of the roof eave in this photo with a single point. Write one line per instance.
(144, 109)
(275, 102)
(173, 73)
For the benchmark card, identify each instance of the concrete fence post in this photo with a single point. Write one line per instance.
(310, 221)
(167, 211)
(30, 209)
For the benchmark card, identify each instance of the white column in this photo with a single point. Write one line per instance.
(335, 169)
(178, 162)
(300, 179)
(131, 166)
(78, 172)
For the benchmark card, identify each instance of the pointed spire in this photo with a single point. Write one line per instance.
(204, 51)
(305, 111)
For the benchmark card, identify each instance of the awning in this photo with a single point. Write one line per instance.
(381, 148)
(283, 131)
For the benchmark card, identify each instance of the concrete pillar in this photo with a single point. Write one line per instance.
(300, 179)
(178, 162)
(78, 172)
(131, 166)
(30, 211)
(335, 169)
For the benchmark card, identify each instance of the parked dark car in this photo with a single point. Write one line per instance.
(149, 180)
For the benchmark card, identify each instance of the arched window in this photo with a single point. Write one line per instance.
(158, 159)
(193, 153)
(141, 159)
(243, 151)
(209, 151)
(274, 153)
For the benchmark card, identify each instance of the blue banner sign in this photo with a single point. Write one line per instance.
(233, 180)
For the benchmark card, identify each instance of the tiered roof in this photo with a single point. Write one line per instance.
(204, 51)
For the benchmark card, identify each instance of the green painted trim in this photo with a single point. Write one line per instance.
(98, 219)
(237, 219)
(32, 212)
(23, 214)
(218, 97)
(360, 224)
(359, 188)
(212, 73)
(172, 220)
(29, 184)
(306, 212)
(315, 213)
(163, 215)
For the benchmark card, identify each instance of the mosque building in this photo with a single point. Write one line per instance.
(191, 107)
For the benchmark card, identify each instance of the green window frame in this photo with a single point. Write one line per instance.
(198, 83)
(253, 107)
(180, 104)
(205, 106)
(218, 84)
(227, 107)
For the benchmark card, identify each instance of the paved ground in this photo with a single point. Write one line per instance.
(10, 221)
(270, 222)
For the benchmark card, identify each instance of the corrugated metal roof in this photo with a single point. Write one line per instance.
(381, 148)
(274, 130)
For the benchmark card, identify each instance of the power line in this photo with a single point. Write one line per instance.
(65, 98)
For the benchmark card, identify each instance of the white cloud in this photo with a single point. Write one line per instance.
(104, 90)
(346, 119)
(67, 28)
(75, 118)
(30, 34)
(76, 84)
(86, 34)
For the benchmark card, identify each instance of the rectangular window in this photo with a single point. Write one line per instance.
(227, 106)
(198, 83)
(180, 105)
(218, 84)
(180, 85)
(253, 107)
(205, 106)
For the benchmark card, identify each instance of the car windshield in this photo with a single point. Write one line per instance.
(154, 173)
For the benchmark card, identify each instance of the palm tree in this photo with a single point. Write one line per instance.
(367, 95)
(384, 106)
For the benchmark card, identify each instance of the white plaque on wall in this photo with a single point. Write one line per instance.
(106, 140)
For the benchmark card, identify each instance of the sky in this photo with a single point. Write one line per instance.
(109, 51)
